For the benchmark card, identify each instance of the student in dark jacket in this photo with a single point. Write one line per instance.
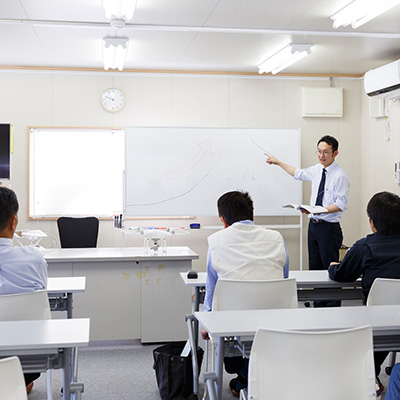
(377, 255)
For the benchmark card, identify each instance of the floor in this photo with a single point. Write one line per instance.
(124, 371)
(119, 371)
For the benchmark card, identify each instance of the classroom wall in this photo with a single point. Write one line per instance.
(380, 149)
(73, 100)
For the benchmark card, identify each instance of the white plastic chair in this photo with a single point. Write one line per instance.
(233, 294)
(26, 307)
(12, 383)
(385, 292)
(333, 365)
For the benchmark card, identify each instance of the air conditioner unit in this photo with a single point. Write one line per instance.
(383, 82)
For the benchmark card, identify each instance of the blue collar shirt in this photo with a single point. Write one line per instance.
(22, 269)
(336, 191)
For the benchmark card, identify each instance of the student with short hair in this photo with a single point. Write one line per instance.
(22, 269)
(377, 255)
(242, 245)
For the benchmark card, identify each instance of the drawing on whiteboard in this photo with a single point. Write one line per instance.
(182, 171)
(265, 151)
(208, 144)
(205, 148)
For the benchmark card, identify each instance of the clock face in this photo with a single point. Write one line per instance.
(113, 100)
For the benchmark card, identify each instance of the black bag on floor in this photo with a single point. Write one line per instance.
(174, 373)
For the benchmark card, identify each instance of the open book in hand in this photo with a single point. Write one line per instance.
(310, 209)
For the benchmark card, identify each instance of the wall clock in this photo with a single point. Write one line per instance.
(113, 100)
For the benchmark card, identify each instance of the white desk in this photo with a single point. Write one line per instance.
(385, 322)
(60, 291)
(311, 285)
(45, 344)
(129, 294)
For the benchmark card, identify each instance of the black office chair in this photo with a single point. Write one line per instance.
(78, 232)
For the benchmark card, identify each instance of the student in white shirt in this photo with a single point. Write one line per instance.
(242, 245)
(22, 269)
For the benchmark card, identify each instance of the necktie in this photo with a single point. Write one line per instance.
(321, 189)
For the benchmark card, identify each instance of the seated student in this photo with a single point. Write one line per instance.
(240, 245)
(375, 256)
(22, 269)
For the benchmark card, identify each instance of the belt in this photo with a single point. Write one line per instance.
(317, 221)
(321, 221)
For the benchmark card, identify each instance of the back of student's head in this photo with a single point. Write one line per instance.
(384, 211)
(331, 141)
(8, 206)
(235, 206)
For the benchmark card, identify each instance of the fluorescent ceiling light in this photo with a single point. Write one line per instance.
(118, 9)
(114, 52)
(285, 57)
(358, 12)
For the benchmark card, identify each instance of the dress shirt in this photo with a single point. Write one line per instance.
(22, 269)
(337, 187)
(212, 275)
(375, 256)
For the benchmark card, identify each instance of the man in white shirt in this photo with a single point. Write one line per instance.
(242, 250)
(22, 269)
(329, 188)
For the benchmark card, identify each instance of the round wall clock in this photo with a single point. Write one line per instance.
(113, 100)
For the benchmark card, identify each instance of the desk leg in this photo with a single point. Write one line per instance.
(69, 305)
(196, 307)
(67, 374)
(219, 365)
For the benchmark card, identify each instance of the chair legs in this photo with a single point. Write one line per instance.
(210, 378)
(49, 392)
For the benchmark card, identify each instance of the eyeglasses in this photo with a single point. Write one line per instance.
(323, 152)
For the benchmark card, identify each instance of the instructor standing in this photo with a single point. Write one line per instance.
(329, 188)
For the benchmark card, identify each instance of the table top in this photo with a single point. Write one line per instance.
(44, 334)
(118, 254)
(246, 323)
(68, 284)
(305, 279)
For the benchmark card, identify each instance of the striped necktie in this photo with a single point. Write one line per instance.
(321, 189)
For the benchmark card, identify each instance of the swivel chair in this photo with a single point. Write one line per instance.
(78, 232)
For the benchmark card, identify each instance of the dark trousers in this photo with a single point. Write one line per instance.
(240, 366)
(31, 377)
(379, 358)
(324, 241)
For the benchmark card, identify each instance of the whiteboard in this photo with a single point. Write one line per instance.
(183, 171)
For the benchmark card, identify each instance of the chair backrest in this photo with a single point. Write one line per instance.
(12, 383)
(232, 294)
(289, 365)
(78, 232)
(25, 306)
(384, 292)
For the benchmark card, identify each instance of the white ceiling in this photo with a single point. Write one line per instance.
(200, 35)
